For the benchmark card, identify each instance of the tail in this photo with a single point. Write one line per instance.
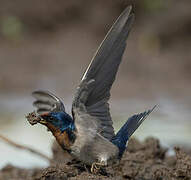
(122, 136)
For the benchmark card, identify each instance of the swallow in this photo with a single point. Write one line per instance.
(88, 134)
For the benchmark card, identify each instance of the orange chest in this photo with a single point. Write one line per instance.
(61, 137)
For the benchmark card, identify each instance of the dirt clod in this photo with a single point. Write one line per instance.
(33, 118)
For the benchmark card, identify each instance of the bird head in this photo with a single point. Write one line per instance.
(62, 126)
(58, 120)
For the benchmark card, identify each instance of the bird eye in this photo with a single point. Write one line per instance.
(51, 118)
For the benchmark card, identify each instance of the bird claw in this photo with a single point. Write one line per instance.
(96, 166)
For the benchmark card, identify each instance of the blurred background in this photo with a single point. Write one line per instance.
(48, 44)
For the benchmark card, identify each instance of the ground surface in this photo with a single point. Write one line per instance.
(145, 161)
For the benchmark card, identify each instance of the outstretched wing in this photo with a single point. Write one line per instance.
(93, 92)
(46, 102)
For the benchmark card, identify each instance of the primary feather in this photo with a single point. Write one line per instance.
(102, 70)
(47, 102)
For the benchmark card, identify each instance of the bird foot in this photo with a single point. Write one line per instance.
(96, 167)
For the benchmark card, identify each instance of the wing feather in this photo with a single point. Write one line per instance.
(46, 102)
(102, 70)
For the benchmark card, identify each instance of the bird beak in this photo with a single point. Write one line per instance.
(35, 118)
(44, 116)
(42, 122)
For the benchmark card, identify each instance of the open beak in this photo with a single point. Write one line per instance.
(42, 121)
(33, 118)
(43, 118)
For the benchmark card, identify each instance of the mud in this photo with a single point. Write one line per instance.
(141, 161)
(33, 118)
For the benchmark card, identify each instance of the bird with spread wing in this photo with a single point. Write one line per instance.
(88, 135)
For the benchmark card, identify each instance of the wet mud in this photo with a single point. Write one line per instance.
(142, 161)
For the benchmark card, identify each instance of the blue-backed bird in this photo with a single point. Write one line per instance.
(88, 135)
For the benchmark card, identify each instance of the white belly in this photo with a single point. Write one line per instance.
(94, 150)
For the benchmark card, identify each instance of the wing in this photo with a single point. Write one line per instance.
(93, 92)
(46, 102)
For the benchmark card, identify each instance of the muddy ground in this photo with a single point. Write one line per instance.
(141, 161)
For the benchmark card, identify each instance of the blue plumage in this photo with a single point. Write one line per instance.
(123, 135)
(61, 120)
(120, 140)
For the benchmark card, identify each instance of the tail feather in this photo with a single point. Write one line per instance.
(122, 136)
